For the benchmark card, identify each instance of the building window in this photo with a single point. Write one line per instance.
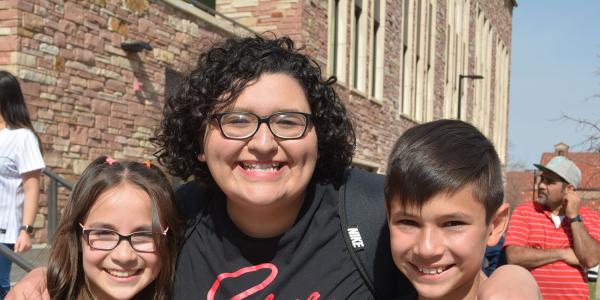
(429, 64)
(359, 44)
(377, 49)
(406, 83)
(207, 5)
(418, 69)
(337, 39)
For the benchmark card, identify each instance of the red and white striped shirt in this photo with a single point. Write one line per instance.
(532, 226)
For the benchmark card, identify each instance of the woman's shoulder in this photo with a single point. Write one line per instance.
(20, 136)
(364, 184)
(21, 133)
(22, 130)
(191, 198)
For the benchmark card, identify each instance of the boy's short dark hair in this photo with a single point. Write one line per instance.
(442, 157)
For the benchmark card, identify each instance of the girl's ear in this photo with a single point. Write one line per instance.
(498, 224)
(201, 157)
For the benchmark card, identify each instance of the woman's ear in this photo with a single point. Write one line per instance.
(498, 224)
(201, 157)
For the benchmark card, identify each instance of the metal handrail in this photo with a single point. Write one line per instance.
(16, 258)
(60, 179)
(55, 180)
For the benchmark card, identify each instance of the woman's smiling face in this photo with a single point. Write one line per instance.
(263, 172)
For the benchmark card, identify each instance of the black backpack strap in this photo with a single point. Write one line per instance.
(364, 227)
(191, 200)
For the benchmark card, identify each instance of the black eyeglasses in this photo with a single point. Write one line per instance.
(242, 125)
(107, 239)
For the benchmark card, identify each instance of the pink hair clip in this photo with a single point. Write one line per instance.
(110, 161)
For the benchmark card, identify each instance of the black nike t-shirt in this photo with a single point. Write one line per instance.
(309, 261)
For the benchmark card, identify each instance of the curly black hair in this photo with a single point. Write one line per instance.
(223, 71)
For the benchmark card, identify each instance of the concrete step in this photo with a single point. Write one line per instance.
(38, 256)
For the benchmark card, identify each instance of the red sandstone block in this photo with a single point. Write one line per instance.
(96, 19)
(5, 58)
(55, 106)
(95, 133)
(85, 121)
(145, 26)
(8, 14)
(32, 22)
(60, 39)
(114, 122)
(93, 42)
(25, 6)
(45, 114)
(9, 22)
(69, 28)
(62, 130)
(101, 122)
(78, 135)
(85, 56)
(100, 107)
(74, 13)
(30, 88)
(135, 108)
(9, 43)
(66, 108)
(95, 85)
(143, 122)
(115, 85)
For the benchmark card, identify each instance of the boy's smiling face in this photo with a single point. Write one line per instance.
(440, 247)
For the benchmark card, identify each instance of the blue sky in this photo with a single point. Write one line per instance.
(555, 64)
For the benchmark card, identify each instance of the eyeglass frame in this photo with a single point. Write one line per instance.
(218, 116)
(85, 231)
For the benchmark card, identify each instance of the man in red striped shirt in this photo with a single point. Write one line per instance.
(555, 237)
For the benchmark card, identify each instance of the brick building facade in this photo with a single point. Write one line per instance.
(398, 63)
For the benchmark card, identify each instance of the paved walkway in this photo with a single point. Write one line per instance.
(38, 256)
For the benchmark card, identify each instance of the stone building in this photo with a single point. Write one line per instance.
(398, 63)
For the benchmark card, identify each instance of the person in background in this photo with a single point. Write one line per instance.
(20, 165)
(494, 257)
(555, 237)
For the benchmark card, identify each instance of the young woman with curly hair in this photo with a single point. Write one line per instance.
(269, 140)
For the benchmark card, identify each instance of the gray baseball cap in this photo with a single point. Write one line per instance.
(564, 168)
